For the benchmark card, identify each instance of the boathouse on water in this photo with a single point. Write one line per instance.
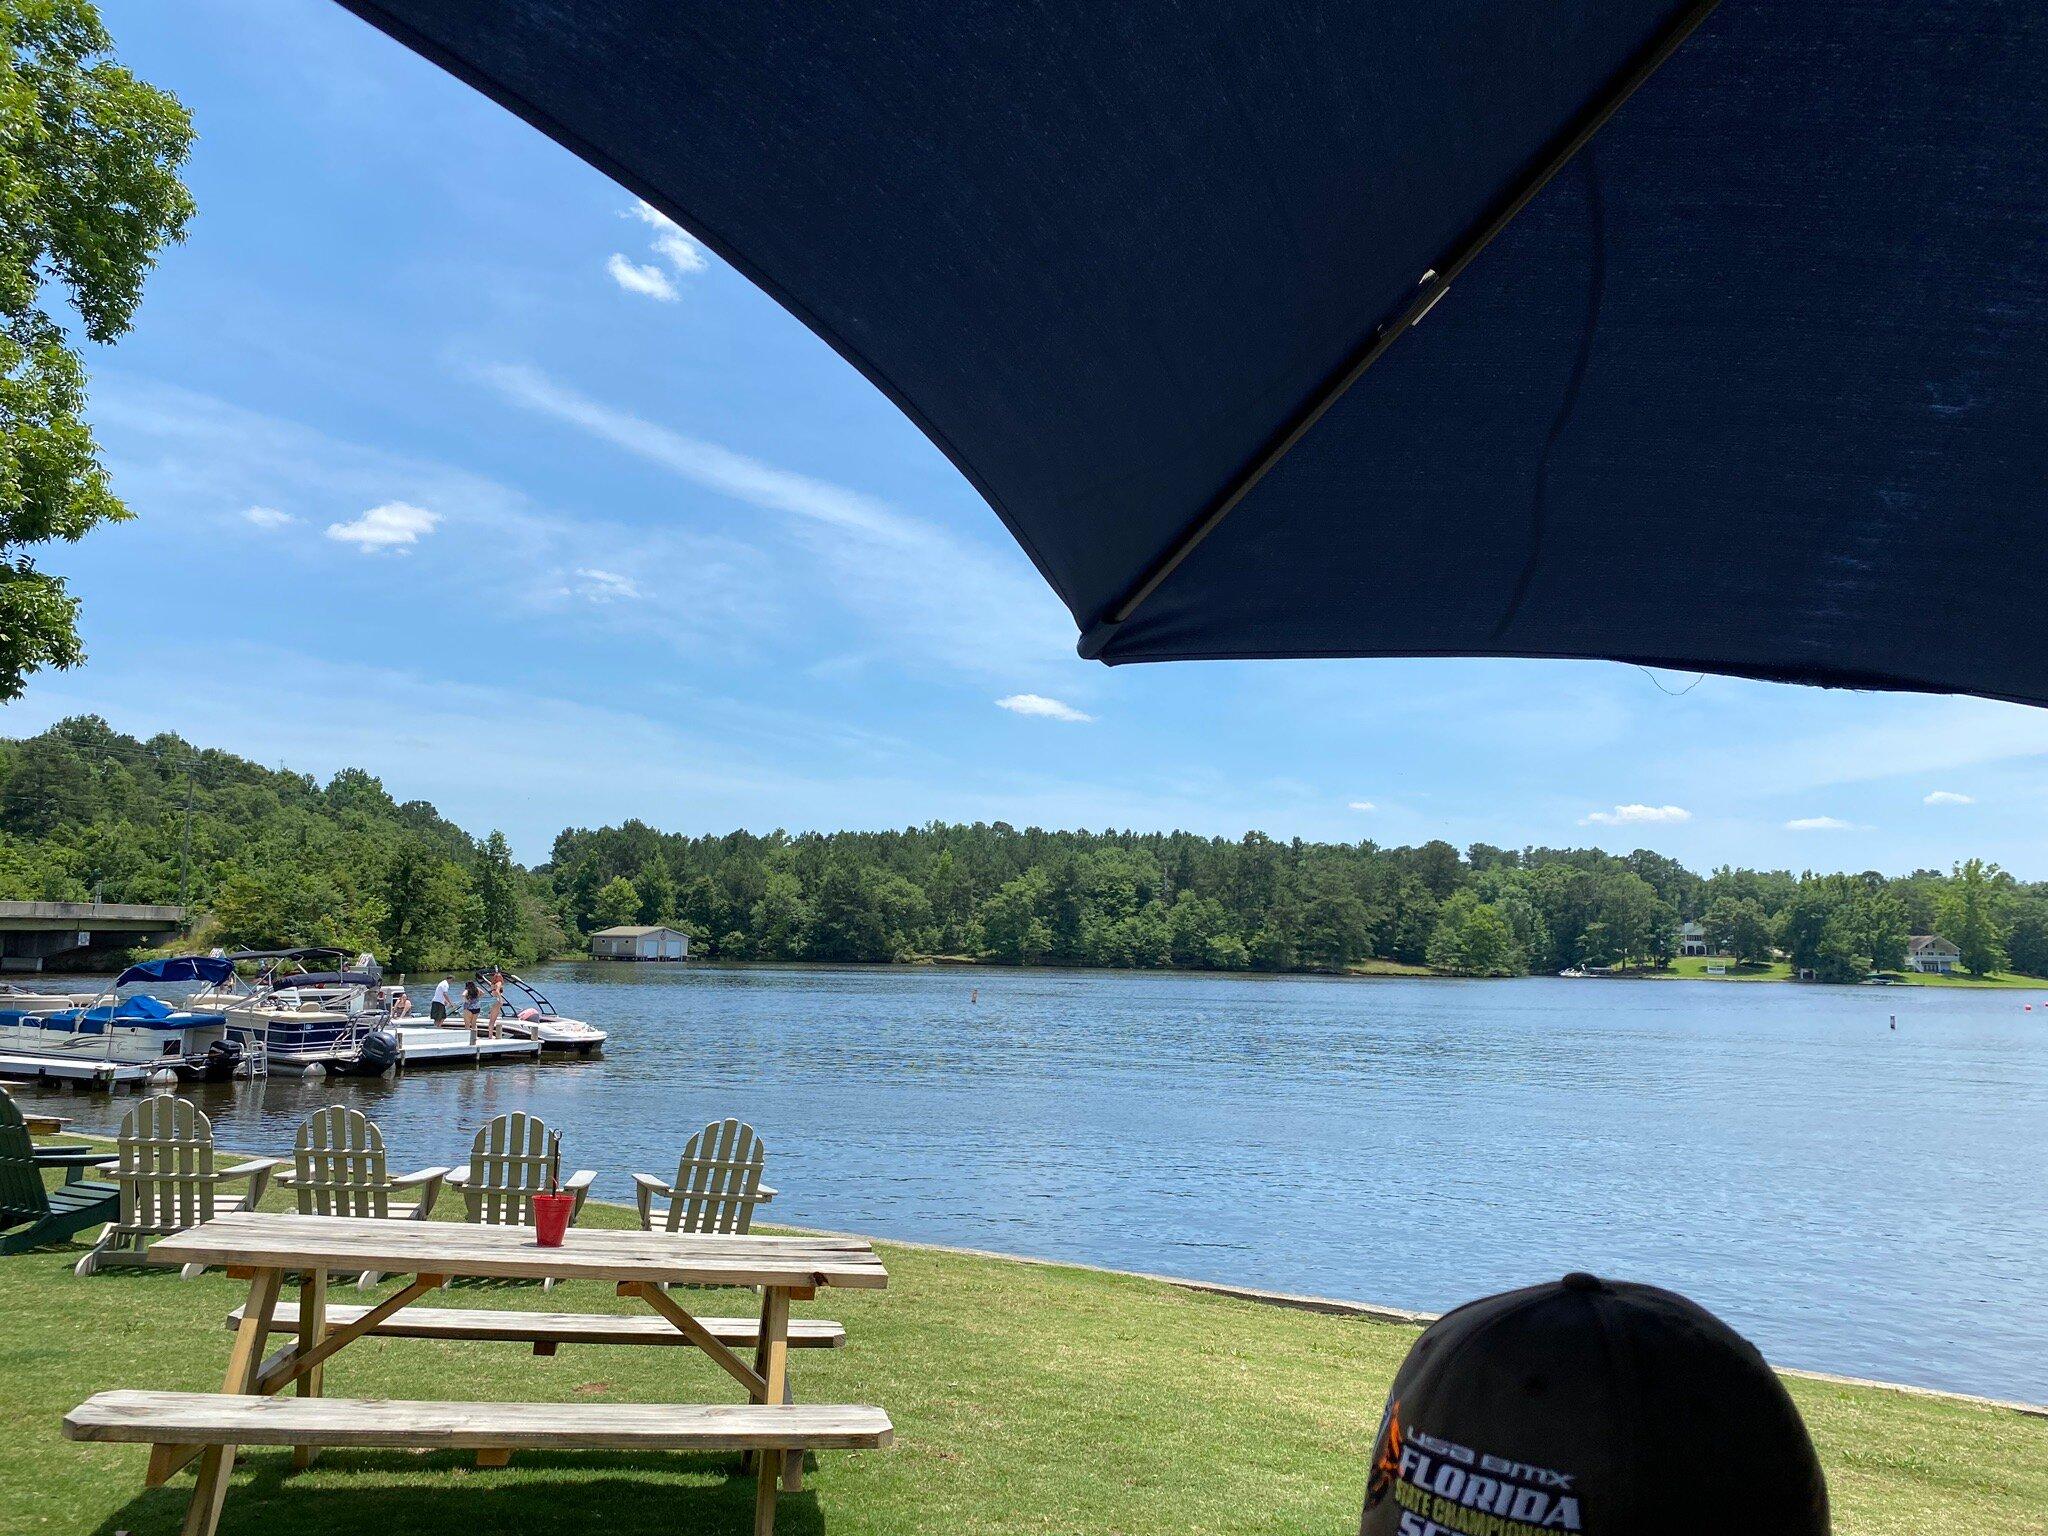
(640, 943)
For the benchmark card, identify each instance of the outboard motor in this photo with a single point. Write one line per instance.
(377, 1054)
(221, 1061)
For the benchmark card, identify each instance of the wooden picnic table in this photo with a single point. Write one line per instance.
(265, 1247)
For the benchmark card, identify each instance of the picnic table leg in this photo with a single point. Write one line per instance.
(245, 1360)
(792, 1462)
(312, 1328)
(773, 1358)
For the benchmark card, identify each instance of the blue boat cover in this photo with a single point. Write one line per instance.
(1758, 384)
(208, 968)
(141, 1012)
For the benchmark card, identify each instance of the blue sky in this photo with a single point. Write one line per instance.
(450, 464)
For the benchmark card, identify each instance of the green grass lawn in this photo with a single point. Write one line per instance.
(1387, 968)
(1995, 979)
(1026, 1398)
(1694, 968)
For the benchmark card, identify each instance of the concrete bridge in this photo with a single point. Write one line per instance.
(33, 931)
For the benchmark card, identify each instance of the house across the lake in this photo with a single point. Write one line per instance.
(637, 943)
(1692, 939)
(1931, 953)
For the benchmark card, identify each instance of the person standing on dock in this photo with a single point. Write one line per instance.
(497, 999)
(437, 1010)
(472, 1007)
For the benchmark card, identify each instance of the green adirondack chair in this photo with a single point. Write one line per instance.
(30, 1214)
(338, 1169)
(167, 1179)
(718, 1183)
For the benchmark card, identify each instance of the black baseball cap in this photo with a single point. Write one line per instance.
(1594, 1407)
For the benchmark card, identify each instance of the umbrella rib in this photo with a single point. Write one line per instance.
(1432, 287)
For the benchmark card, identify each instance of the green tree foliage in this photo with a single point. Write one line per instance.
(1842, 927)
(1970, 912)
(657, 891)
(1334, 927)
(781, 918)
(89, 193)
(1010, 925)
(618, 904)
(2026, 934)
(1473, 938)
(426, 899)
(861, 912)
(277, 858)
(502, 917)
(1736, 925)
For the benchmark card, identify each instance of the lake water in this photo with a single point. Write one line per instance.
(1853, 1198)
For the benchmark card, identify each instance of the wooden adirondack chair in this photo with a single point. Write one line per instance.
(508, 1166)
(718, 1183)
(31, 1215)
(338, 1169)
(167, 1179)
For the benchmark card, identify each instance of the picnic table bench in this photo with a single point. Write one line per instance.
(183, 1426)
(546, 1331)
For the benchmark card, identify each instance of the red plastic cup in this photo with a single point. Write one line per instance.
(551, 1215)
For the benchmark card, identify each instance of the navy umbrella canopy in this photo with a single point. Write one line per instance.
(1705, 336)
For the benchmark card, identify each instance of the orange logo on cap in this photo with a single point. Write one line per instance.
(1386, 1465)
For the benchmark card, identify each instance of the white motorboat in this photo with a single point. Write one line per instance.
(537, 1020)
(121, 1036)
(27, 1000)
(301, 1016)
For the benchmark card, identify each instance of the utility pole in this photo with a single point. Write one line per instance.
(185, 845)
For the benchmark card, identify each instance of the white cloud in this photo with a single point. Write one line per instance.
(1635, 815)
(1363, 805)
(931, 593)
(187, 455)
(1038, 704)
(267, 517)
(1817, 824)
(393, 527)
(1949, 797)
(634, 278)
(670, 239)
(711, 466)
(601, 586)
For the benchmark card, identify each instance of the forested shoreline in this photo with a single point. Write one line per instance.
(267, 857)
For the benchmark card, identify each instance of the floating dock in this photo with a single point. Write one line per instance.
(422, 1045)
(83, 1072)
(419, 1045)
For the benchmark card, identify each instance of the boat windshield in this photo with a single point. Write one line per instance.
(534, 996)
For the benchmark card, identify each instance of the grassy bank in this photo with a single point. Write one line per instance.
(1025, 1397)
(1694, 968)
(1995, 979)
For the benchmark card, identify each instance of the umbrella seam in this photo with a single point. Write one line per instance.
(521, 106)
(1568, 402)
